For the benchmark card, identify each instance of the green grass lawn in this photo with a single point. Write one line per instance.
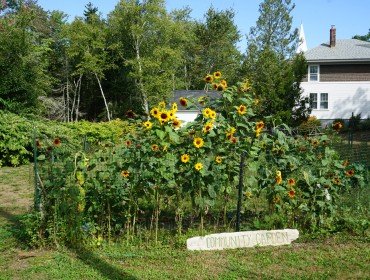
(338, 256)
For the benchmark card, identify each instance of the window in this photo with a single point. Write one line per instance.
(324, 101)
(313, 71)
(313, 100)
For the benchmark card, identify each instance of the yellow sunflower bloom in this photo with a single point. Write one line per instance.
(56, 142)
(218, 159)
(224, 83)
(248, 194)
(207, 112)
(125, 173)
(350, 173)
(128, 142)
(207, 127)
(174, 107)
(208, 79)
(198, 166)
(275, 200)
(185, 158)
(213, 114)
(154, 147)
(148, 125)
(220, 87)
(176, 123)
(260, 125)
(217, 75)
(164, 116)
(242, 109)
(155, 112)
(198, 142)
(291, 193)
(183, 102)
(215, 86)
(291, 182)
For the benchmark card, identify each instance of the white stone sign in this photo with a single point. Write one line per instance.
(231, 240)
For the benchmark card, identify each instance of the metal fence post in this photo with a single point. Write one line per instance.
(37, 190)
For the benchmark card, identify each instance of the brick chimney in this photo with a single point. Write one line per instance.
(333, 36)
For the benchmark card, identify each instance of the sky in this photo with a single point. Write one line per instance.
(350, 17)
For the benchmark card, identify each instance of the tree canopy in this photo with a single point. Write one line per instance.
(99, 68)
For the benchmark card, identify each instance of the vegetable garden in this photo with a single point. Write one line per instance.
(169, 176)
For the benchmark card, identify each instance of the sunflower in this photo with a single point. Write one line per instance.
(183, 102)
(234, 140)
(217, 75)
(125, 173)
(350, 173)
(337, 181)
(176, 123)
(248, 194)
(171, 114)
(241, 88)
(208, 79)
(220, 87)
(257, 101)
(224, 83)
(198, 166)
(174, 107)
(56, 142)
(218, 159)
(208, 127)
(162, 105)
(185, 158)
(315, 143)
(242, 109)
(207, 112)
(337, 126)
(148, 125)
(154, 147)
(291, 182)
(215, 86)
(229, 135)
(345, 163)
(198, 142)
(212, 115)
(291, 193)
(155, 112)
(278, 177)
(128, 142)
(275, 200)
(164, 116)
(260, 125)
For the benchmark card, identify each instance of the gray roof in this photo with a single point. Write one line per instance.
(346, 50)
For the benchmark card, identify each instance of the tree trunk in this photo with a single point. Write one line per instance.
(102, 93)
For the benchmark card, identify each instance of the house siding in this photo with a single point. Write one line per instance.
(345, 73)
(343, 99)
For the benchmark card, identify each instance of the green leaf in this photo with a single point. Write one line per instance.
(161, 134)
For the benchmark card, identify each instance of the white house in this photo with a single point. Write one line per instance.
(338, 78)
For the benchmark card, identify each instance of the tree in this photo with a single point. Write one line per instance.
(215, 47)
(363, 37)
(142, 37)
(272, 66)
(23, 57)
